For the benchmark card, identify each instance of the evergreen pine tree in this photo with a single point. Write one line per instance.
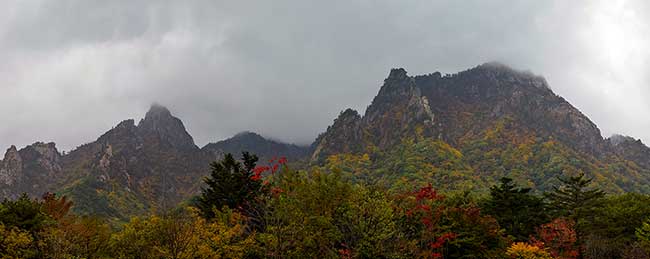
(230, 185)
(516, 209)
(574, 200)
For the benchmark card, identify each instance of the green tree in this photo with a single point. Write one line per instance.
(613, 229)
(183, 235)
(24, 213)
(367, 222)
(643, 232)
(300, 221)
(575, 200)
(516, 209)
(230, 184)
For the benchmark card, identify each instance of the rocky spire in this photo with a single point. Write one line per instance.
(160, 121)
(11, 167)
(342, 137)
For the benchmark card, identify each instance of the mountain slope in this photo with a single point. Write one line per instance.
(135, 168)
(129, 170)
(29, 170)
(458, 132)
(502, 122)
(264, 148)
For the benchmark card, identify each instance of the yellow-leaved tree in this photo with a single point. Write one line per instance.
(521, 250)
(15, 243)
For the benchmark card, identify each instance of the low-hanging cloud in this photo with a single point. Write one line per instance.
(71, 70)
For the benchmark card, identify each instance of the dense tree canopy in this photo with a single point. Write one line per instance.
(516, 209)
(251, 211)
(230, 184)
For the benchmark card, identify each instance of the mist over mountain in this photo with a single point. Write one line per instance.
(463, 130)
(129, 170)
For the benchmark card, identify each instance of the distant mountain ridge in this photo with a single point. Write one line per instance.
(264, 148)
(457, 131)
(130, 169)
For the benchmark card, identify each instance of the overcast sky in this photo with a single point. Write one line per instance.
(70, 70)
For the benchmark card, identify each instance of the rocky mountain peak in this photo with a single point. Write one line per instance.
(505, 73)
(130, 123)
(10, 171)
(631, 149)
(45, 151)
(157, 111)
(618, 139)
(346, 129)
(398, 83)
(349, 113)
(11, 151)
(11, 156)
(397, 74)
(159, 121)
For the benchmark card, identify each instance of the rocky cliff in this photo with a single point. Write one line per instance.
(501, 121)
(129, 170)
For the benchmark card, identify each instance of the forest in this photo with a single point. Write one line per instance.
(246, 210)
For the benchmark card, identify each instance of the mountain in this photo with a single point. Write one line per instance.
(29, 169)
(130, 169)
(265, 149)
(631, 149)
(461, 131)
(486, 122)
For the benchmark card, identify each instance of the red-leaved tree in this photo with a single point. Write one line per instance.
(559, 236)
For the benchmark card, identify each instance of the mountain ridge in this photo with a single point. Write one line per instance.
(489, 110)
(128, 170)
(463, 130)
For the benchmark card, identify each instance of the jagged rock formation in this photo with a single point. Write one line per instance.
(29, 169)
(458, 131)
(129, 170)
(468, 109)
(399, 110)
(455, 107)
(631, 149)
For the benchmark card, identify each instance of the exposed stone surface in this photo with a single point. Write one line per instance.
(346, 129)
(30, 170)
(457, 107)
(631, 149)
(159, 121)
(130, 169)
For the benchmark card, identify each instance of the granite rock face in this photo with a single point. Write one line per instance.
(631, 149)
(129, 170)
(456, 107)
(29, 170)
(154, 164)
(466, 108)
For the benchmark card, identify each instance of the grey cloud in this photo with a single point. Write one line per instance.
(73, 69)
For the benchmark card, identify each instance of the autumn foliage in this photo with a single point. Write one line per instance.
(560, 237)
(271, 211)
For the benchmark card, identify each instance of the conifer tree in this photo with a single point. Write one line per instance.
(516, 209)
(574, 200)
(231, 184)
